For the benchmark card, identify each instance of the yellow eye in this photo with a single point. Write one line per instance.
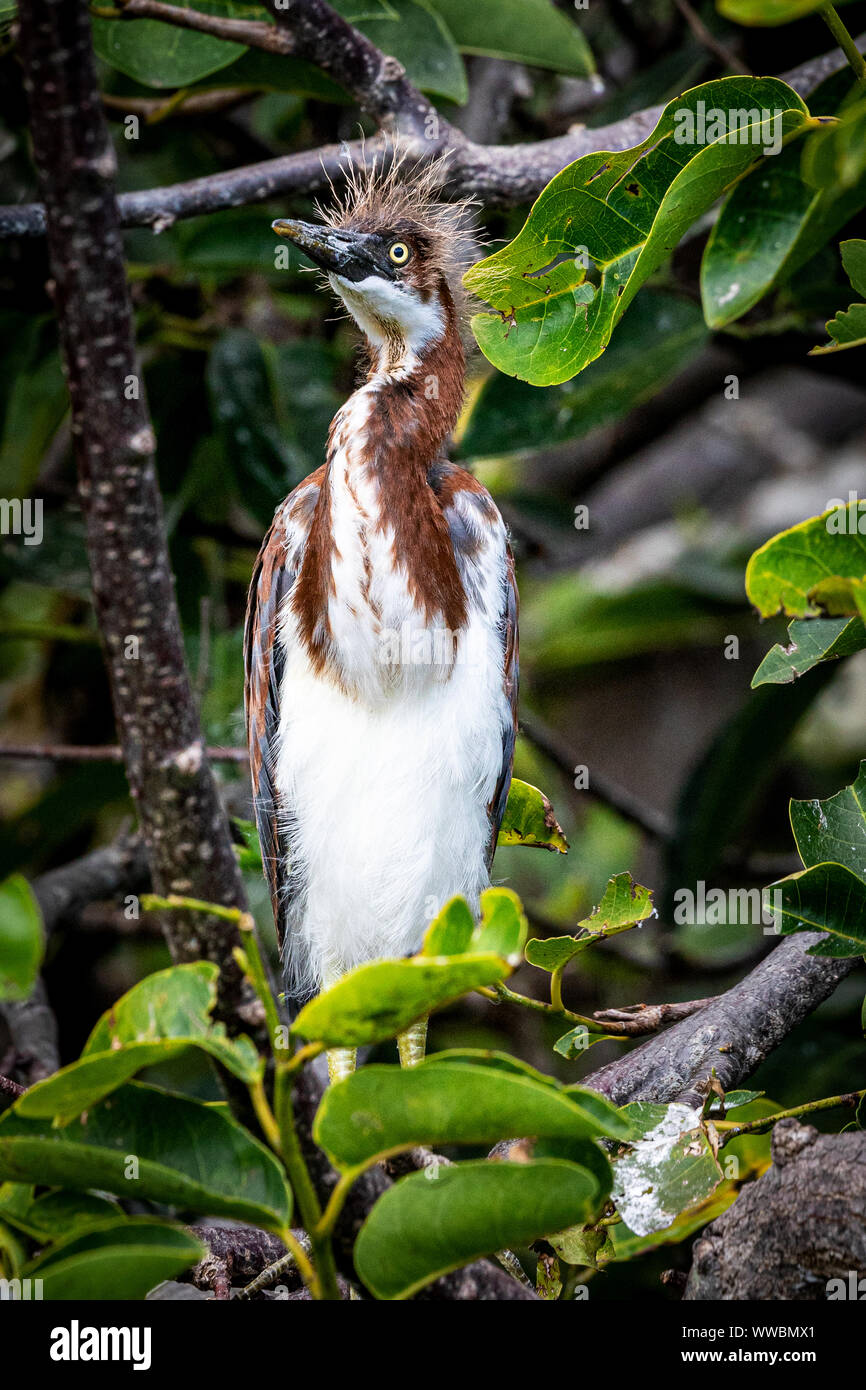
(399, 253)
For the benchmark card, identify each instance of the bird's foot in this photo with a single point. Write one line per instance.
(412, 1044)
(341, 1063)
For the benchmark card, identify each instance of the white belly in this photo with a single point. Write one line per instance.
(389, 802)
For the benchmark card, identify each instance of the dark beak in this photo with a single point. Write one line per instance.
(354, 255)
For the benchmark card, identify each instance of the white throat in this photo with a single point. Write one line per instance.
(385, 311)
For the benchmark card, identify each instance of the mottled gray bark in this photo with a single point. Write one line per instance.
(183, 824)
(798, 1227)
(733, 1035)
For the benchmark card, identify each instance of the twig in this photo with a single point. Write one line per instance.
(733, 1035)
(637, 1020)
(709, 40)
(100, 753)
(733, 1131)
(251, 32)
(500, 175)
(600, 788)
(840, 33)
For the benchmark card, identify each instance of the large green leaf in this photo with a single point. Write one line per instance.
(450, 932)
(377, 1001)
(162, 55)
(155, 1021)
(382, 1109)
(527, 31)
(624, 905)
(530, 820)
(811, 640)
(121, 1260)
(773, 221)
(828, 898)
(20, 938)
(147, 1144)
(670, 1168)
(658, 338)
(833, 830)
(604, 224)
(426, 1225)
(821, 563)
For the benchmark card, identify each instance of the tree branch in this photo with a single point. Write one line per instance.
(503, 175)
(255, 33)
(183, 824)
(100, 753)
(733, 1035)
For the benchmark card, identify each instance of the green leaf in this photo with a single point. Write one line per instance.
(767, 12)
(530, 820)
(829, 898)
(848, 329)
(811, 640)
(185, 1154)
(377, 1001)
(463, 1212)
(658, 338)
(450, 932)
(622, 214)
(773, 222)
(53, 1214)
(833, 830)
(155, 1021)
(624, 905)
(380, 1110)
(118, 1261)
(161, 55)
(669, 1169)
(503, 928)
(20, 938)
(733, 1101)
(531, 31)
(248, 854)
(835, 156)
(819, 563)
(422, 43)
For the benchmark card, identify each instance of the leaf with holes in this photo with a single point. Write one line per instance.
(604, 224)
(819, 564)
(810, 641)
(463, 1212)
(669, 1169)
(530, 820)
(848, 329)
(625, 904)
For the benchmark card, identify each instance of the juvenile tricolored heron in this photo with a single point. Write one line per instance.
(381, 639)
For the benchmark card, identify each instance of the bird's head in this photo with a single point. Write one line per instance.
(394, 253)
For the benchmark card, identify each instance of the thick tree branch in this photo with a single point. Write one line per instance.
(183, 824)
(733, 1035)
(504, 175)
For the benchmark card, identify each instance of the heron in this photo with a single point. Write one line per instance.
(381, 647)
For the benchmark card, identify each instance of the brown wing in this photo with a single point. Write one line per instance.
(274, 575)
(510, 681)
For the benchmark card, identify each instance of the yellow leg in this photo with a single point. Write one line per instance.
(341, 1063)
(412, 1044)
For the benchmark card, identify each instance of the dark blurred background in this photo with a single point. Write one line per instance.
(626, 664)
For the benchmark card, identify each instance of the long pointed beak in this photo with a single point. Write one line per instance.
(340, 252)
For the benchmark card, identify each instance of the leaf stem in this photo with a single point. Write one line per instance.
(508, 996)
(556, 987)
(302, 1186)
(840, 33)
(264, 1113)
(733, 1130)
